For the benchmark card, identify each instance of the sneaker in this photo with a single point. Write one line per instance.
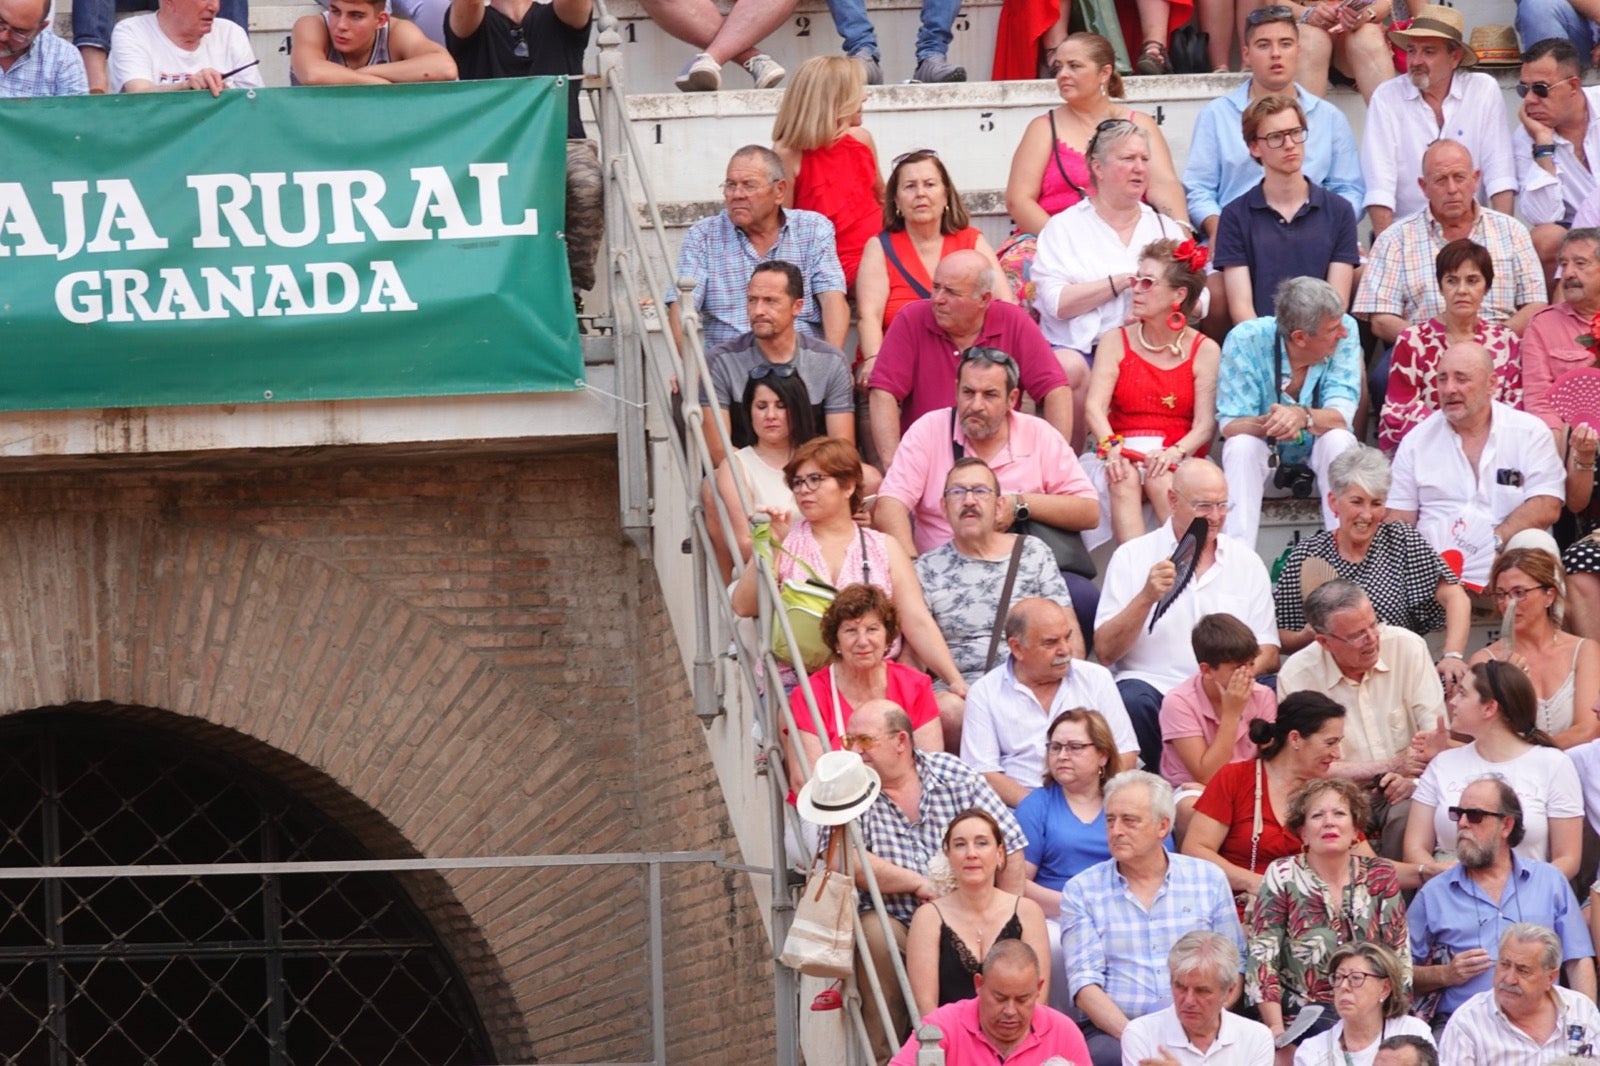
(870, 61)
(702, 75)
(764, 70)
(938, 69)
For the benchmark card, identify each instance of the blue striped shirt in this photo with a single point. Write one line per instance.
(50, 67)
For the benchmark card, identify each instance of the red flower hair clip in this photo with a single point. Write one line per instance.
(1192, 253)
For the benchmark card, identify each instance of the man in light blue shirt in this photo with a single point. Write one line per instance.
(1220, 168)
(1287, 386)
(33, 60)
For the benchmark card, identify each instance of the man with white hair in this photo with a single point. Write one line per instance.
(1121, 917)
(1198, 1028)
(1491, 471)
(1527, 1018)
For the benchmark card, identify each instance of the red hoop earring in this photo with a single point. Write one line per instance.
(1177, 321)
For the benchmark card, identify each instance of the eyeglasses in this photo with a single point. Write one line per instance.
(961, 492)
(773, 370)
(1271, 13)
(1206, 508)
(1369, 633)
(1071, 747)
(1355, 978)
(1541, 89)
(917, 154)
(1142, 283)
(17, 33)
(520, 36)
(858, 741)
(1515, 594)
(1474, 815)
(746, 188)
(1105, 127)
(809, 482)
(1277, 138)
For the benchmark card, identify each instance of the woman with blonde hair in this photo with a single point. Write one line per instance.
(829, 158)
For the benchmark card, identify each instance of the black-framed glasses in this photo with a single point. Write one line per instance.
(1270, 13)
(1541, 89)
(1474, 815)
(773, 370)
(1106, 126)
(1355, 978)
(808, 482)
(520, 47)
(1277, 138)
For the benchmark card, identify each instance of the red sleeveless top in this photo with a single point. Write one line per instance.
(1148, 401)
(838, 181)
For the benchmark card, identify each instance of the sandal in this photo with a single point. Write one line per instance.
(1153, 59)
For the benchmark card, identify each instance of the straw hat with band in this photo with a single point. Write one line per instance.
(1437, 22)
(1495, 46)
(841, 788)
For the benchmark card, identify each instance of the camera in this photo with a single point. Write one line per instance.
(1298, 478)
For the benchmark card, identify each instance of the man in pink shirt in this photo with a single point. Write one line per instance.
(1006, 1022)
(1039, 476)
(1550, 346)
(913, 372)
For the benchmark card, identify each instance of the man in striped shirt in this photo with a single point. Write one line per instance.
(1527, 1018)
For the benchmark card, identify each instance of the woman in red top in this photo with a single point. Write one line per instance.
(829, 158)
(1236, 823)
(923, 221)
(1152, 399)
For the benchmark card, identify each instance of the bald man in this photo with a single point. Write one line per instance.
(1149, 660)
(34, 61)
(1476, 472)
(915, 370)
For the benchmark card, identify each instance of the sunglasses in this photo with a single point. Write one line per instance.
(1272, 13)
(772, 370)
(1142, 283)
(986, 356)
(1474, 815)
(857, 741)
(1105, 127)
(1541, 89)
(520, 36)
(917, 154)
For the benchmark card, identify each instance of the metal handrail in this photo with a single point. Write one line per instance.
(666, 364)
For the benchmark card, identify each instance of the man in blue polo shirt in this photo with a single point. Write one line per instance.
(1459, 914)
(1287, 226)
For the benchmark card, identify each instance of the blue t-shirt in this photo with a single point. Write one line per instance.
(1251, 234)
(1059, 843)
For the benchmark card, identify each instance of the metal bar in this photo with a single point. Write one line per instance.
(658, 980)
(346, 866)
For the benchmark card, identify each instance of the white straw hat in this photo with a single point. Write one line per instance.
(840, 789)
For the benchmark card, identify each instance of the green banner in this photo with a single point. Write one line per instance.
(285, 244)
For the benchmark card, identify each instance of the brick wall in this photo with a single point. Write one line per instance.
(449, 656)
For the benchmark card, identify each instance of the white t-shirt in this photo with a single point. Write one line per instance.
(1586, 757)
(141, 52)
(1545, 781)
(1324, 1050)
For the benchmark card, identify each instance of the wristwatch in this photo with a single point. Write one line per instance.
(1499, 544)
(1019, 508)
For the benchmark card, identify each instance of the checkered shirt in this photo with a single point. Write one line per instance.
(1399, 276)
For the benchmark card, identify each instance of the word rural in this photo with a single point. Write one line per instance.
(168, 278)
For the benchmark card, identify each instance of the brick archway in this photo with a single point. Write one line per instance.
(442, 661)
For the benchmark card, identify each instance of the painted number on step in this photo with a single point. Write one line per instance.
(986, 121)
(1161, 115)
(963, 23)
(633, 33)
(802, 23)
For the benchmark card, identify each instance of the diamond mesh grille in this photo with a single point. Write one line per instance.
(308, 968)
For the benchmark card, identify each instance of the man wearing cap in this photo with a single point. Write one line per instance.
(1399, 286)
(1435, 100)
(1553, 144)
(903, 827)
(1005, 1022)
(914, 371)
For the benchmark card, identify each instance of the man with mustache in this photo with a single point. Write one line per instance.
(1010, 708)
(1527, 1018)
(1434, 100)
(1457, 918)
(1550, 347)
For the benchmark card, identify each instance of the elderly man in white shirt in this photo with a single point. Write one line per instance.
(1229, 577)
(1434, 100)
(1527, 1018)
(1198, 1029)
(1010, 708)
(1476, 472)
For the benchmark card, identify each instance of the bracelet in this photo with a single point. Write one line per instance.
(1579, 466)
(1453, 655)
(1309, 420)
(1421, 872)
(1544, 151)
(1113, 286)
(1102, 448)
